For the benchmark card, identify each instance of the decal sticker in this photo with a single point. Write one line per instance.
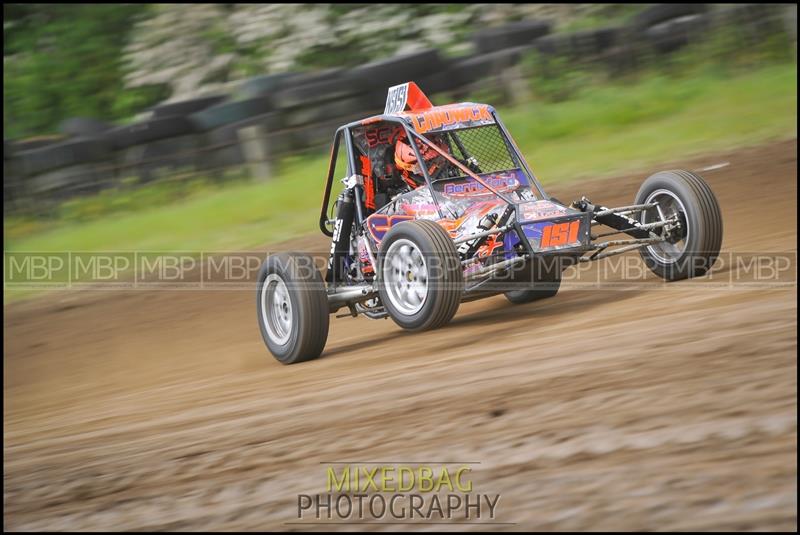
(420, 210)
(492, 243)
(379, 224)
(532, 211)
(553, 235)
(473, 188)
(444, 118)
(559, 234)
(382, 135)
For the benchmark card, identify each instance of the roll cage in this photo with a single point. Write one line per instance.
(345, 133)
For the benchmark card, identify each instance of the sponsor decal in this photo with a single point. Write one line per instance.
(487, 249)
(473, 188)
(540, 210)
(453, 117)
(420, 210)
(379, 224)
(383, 135)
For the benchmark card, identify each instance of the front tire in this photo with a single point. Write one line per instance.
(692, 249)
(420, 275)
(292, 307)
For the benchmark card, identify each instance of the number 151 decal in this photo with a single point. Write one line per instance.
(560, 233)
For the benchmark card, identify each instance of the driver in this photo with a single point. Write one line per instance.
(405, 158)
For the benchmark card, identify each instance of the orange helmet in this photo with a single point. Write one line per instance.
(406, 160)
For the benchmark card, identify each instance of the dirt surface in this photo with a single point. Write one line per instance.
(642, 407)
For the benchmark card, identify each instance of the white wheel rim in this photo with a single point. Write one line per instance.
(276, 309)
(405, 275)
(669, 205)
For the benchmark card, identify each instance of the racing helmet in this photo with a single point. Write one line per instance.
(405, 158)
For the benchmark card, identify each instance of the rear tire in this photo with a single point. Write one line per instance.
(292, 306)
(420, 276)
(544, 281)
(688, 195)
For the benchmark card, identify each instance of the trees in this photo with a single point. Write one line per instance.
(63, 60)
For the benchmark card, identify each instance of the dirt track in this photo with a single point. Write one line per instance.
(599, 409)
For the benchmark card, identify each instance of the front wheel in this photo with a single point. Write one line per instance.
(692, 247)
(420, 276)
(292, 307)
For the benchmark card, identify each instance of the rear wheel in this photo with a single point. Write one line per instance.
(292, 307)
(692, 248)
(420, 276)
(542, 280)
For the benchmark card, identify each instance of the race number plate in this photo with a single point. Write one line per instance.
(396, 99)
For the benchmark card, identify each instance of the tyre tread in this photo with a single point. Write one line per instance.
(709, 219)
(313, 320)
(438, 238)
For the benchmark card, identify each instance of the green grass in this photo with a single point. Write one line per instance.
(618, 128)
(602, 130)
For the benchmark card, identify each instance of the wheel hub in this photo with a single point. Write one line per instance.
(677, 236)
(276, 306)
(405, 275)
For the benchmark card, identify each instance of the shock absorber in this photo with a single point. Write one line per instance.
(340, 243)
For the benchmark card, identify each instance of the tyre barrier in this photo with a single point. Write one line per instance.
(466, 71)
(318, 91)
(64, 154)
(230, 112)
(511, 35)
(440, 82)
(377, 76)
(669, 36)
(756, 19)
(185, 107)
(590, 43)
(61, 184)
(222, 147)
(12, 176)
(323, 111)
(22, 145)
(585, 44)
(144, 132)
(400, 69)
(270, 83)
(620, 59)
(148, 161)
(83, 126)
(659, 13)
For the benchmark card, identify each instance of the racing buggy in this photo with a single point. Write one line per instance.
(439, 207)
